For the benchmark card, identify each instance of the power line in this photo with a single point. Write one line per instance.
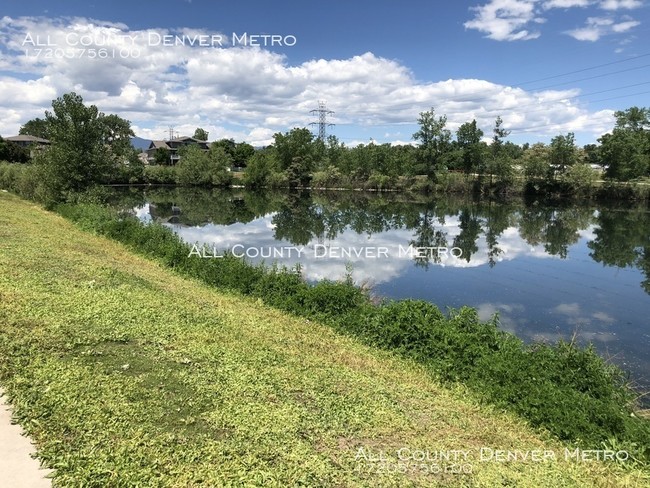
(592, 77)
(583, 70)
(575, 97)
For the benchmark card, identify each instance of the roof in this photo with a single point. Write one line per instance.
(27, 138)
(156, 144)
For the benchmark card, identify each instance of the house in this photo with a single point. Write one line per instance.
(173, 145)
(26, 141)
(29, 142)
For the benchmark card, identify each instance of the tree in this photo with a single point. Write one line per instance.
(501, 164)
(78, 157)
(242, 153)
(295, 150)
(162, 156)
(434, 142)
(260, 168)
(12, 152)
(36, 127)
(634, 119)
(499, 134)
(535, 161)
(626, 151)
(563, 152)
(198, 167)
(200, 134)
(117, 134)
(469, 137)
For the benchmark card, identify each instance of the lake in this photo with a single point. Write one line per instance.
(550, 271)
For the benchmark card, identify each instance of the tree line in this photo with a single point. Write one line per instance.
(297, 158)
(90, 148)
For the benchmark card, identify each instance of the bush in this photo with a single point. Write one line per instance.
(160, 175)
(580, 179)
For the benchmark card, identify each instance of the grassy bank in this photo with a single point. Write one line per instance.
(126, 374)
(570, 391)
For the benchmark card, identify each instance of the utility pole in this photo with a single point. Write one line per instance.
(322, 124)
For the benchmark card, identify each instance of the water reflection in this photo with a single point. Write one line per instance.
(484, 232)
(549, 271)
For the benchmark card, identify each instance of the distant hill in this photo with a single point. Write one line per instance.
(140, 143)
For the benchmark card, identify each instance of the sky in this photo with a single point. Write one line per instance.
(247, 70)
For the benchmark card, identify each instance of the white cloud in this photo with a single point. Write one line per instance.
(597, 27)
(625, 26)
(549, 4)
(514, 20)
(504, 20)
(620, 4)
(250, 93)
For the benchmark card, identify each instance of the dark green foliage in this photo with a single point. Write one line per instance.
(626, 151)
(36, 127)
(12, 152)
(568, 390)
(200, 134)
(162, 156)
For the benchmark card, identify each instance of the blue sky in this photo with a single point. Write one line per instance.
(546, 66)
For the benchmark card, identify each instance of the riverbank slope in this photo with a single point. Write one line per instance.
(124, 373)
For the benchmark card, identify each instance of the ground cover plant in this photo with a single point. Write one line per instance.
(568, 390)
(126, 374)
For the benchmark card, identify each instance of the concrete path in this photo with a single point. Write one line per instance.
(17, 468)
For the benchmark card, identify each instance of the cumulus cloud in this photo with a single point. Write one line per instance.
(249, 93)
(620, 4)
(504, 20)
(517, 20)
(597, 27)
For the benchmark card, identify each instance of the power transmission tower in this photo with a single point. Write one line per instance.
(322, 124)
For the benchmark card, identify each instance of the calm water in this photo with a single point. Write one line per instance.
(549, 271)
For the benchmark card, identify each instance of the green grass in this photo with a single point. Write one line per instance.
(126, 374)
(570, 391)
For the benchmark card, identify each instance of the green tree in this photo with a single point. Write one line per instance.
(635, 119)
(200, 134)
(162, 156)
(117, 134)
(563, 152)
(469, 137)
(580, 178)
(242, 153)
(36, 127)
(295, 151)
(260, 168)
(501, 164)
(78, 157)
(198, 167)
(626, 151)
(535, 162)
(435, 142)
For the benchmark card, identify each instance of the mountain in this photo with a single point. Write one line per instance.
(140, 143)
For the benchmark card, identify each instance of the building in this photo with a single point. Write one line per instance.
(29, 142)
(173, 145)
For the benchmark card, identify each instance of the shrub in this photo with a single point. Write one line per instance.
(160, 175)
